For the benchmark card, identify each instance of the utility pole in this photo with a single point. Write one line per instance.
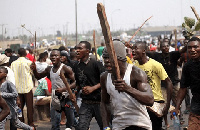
(76, 21)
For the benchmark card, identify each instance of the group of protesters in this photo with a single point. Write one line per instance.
(149, 81)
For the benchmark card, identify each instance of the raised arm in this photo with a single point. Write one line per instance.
(105, 101)
(37, 75)
(5, 109)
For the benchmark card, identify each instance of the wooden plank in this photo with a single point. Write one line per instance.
(62, 76)
(108, 40)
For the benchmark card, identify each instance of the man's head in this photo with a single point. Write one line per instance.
(55, 56)
(62, 48)
(64, 57)
(8, 52)
(139, 50)
(22, 52)
(42, 57)
(83, 49)
(120, 53)
(3, 72)
(194, 48)
(164, 47)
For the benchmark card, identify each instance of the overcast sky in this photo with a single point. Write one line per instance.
(47, 16)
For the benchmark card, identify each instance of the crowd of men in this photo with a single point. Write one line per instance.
(139, 100)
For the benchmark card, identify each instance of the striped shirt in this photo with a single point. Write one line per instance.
(23, 77)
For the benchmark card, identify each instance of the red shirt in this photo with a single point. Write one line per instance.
(30, 57)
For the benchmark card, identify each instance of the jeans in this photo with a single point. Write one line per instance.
(86, 113)
(56, 116)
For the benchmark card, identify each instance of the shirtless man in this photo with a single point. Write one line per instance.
(128, 95)
(59, 87)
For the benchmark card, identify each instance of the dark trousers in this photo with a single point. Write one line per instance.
(86, 113)
(133, 127)
(27, 98)
(156, 121)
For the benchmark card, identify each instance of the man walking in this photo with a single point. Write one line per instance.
(191, 78)
(155, 73)
(129, 95)
(87, 73)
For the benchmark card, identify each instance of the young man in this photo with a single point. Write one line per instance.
(9, 93)
(4, 109)
(87, 73)
(169, 62)
(128, 95)
(191, 78)
(58, 89)
(155, 73)
(24, 83)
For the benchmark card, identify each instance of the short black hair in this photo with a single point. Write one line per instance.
(46, 53)
(41, 56)
(9, 50)
(163, 41)
(56, 50)
(22, 52)
(4, 69)
(144, 44)
(87, 44)
(194, 39)
(61, 48)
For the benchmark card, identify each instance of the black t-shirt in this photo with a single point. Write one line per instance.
(191, 78)
(89, 75)
(169, 63)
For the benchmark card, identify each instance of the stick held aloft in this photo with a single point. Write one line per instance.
(108, 40)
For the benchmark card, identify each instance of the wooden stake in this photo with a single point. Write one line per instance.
(108, 40)
(62, 76)
(94, 40)
(139, 29)
(195, 13)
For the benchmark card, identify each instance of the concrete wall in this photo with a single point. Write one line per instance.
(6, 44)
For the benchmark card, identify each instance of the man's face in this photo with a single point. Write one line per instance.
(107, 63)
(63, 59)
(165, 47)
(2, 74)
(137, 51)
(55, 57)
(194, 49)
(8, 54)
(81, 51)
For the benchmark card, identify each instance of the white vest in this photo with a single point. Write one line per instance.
(127, 111)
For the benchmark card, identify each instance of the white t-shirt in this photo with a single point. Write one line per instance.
(10, 75)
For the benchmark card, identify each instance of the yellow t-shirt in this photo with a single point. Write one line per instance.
(155, 73)
(128, 60)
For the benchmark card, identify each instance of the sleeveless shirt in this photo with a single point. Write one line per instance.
(56, 81)
(127, 110)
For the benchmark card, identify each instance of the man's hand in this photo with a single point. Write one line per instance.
(72, 97)
(120, 85)
(60, 90)
(33, 66)
(87, 90)
(172, 111)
